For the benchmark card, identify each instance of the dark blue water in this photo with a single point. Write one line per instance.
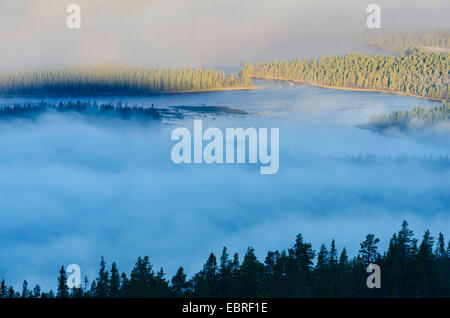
(73, 190)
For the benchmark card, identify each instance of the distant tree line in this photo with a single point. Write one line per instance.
(417, 117)
(368, 160)
(110, 79)
(420, 73)
(407, 42)
(408, 269)
(86, 108)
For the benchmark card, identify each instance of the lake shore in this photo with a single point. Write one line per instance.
(344, 88)
(134, 94)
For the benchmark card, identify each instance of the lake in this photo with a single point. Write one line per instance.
(72, 190)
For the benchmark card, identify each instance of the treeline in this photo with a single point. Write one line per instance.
(421, 73)
(417, 117)
(368, 160)
(406, 42)
(408, 269)
(86, 108)
(106, 80)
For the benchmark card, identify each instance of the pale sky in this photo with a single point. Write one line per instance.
(195, 32)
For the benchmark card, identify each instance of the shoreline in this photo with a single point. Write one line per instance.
(345, 88)
(137, 94)
(213, 90)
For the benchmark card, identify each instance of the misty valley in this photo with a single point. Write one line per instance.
(175, 165)
(335, 180)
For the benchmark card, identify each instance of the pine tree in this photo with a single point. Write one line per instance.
(3, 289)
(25, 291)
(63, 289)
(11, 292)
(344, 274)
(368, 251)
(162, 288)
(321, 285)
(179, 284)
(37, 291)
(93, 289)
(426, 262)
(322, 258)
(114, 284)
(333, 254)
(405, 240)
(303, 253)
(86, 282)
(297, 265)
(210, 273)
(142, 279)
(102, 282)
(251, 272)
(225, 275)
(440, 249)
(124, 285)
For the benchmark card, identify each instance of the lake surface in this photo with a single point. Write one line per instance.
(73, 190)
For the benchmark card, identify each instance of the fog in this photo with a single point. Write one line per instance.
(72, 189)
(65, 199)
(196, 32)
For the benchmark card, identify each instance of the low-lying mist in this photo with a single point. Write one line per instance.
(72, 191)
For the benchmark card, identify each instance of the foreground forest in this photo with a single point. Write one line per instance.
(109, 79)
(421, 73)
(408, 269)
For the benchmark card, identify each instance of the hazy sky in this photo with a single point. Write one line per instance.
(195, 32)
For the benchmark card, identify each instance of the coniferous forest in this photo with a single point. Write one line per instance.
(420, 73)
(409, 268)
(85, 108)
(115, 80)
(417, 117)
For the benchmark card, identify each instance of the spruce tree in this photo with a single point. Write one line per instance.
(124, 285)
(251, 272)
(3, 289)
(37, 291)
(179, 284)
(102, 282)
(225, 275)
(427, 265)
(25, 291)
(210, 273)
(368, 251)
(333, 254)
(114, 284)
(63, 289)
(11, 292)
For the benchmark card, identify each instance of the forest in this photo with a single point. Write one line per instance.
(85, 108)
(421, 73)
(406, 42)
(119, 110)
(114, 80)
(417, 117)
(408, 269)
